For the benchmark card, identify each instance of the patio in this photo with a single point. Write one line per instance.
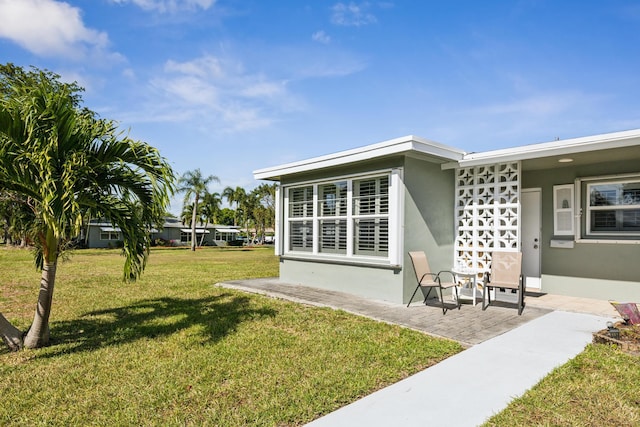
(469, 325)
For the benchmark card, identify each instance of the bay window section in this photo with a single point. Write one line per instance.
(349, 218)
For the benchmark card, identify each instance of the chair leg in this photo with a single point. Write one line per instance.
(457, 296)
(414, 294)
(427, 296)
(521, 297)
(485, 295)
(520, 304)
(444, 309)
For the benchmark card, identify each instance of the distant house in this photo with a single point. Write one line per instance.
(102, 234)
(346, 221)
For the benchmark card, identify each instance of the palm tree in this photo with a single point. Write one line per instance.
(209, 208)
(266, 209)
(68, 164)
(194, 185)
(235, 195)
(16, 215)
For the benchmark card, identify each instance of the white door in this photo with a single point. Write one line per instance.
(531, 211)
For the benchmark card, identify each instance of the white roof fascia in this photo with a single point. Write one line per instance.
(227, 230)
(547, 149)
(404, 144)
(198, 230)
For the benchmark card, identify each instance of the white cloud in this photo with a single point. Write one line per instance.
(537, 105)
(192, 90)
(329, 64)
(205, 67)
(164, 6)
(218, 93)
(50, 28)
(352, 14)
(321, 37)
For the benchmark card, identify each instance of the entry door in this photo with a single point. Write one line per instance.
(531, 211)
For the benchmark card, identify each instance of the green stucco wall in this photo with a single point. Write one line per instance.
(428, 220)
(370, 282)
(429, 224)
(593, 270)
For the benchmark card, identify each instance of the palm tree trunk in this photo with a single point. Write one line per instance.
(204, 233)
(11, 335)
(38, 335)
(193, 223)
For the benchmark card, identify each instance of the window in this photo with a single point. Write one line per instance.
(185, 237)
(348, 217)
(109, 235)
(300, 219)
(563, 212)
(332, 214)
(371, 216)
(613, 208)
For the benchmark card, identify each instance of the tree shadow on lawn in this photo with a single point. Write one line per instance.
(217, 317)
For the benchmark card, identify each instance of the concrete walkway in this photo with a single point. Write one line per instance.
(468, 388)
(507, 354)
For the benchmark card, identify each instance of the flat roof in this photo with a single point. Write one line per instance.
(562, 147)
(451, 157)
(407, 144)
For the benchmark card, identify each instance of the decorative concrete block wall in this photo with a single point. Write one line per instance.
(487, 213)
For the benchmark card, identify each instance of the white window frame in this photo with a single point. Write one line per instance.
(616, 207)
(395, 199)
(581, 211)
(306, 219)
(372, 212)
(563, 205)
(338, 219)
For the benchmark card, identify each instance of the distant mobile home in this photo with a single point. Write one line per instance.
(101, 234)
(346, 221)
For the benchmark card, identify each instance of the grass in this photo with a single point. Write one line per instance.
(173, 349)
(599, 387)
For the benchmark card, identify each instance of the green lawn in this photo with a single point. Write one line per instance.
(599, 387)
(173, 349)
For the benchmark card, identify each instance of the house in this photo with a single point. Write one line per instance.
(102, 234)
(346, 221)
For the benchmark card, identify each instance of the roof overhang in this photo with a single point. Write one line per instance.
(110, 229)
(407, 145)
(621, 142)
(227, 230)
(198, 230)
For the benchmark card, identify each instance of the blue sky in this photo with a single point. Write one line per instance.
(232, 86)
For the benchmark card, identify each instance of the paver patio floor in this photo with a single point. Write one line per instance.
(469, 325)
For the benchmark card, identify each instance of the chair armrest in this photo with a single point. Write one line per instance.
(433, 276)
(453, 275)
